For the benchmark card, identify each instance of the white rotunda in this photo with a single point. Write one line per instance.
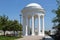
(33, 11)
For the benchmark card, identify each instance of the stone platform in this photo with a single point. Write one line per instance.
(31, 38)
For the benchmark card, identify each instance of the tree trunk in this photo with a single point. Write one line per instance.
(14, 33)
(4, 33)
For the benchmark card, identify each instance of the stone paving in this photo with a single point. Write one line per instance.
(30, 38)
(35, 38)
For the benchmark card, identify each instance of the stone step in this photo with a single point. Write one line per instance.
(31, 38)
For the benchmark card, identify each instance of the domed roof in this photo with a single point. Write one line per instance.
(34, 5)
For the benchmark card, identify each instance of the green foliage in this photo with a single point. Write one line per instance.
(47, 32)
(9, 25)
(8, 38)
(3, 21)
(56, 21)
(57, 18)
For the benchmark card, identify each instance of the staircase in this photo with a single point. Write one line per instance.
(31, 38)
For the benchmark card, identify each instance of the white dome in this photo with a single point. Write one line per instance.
(34, 5)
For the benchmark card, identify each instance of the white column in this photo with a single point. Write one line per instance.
(39, 31)
(26, 26)
(43, 25)
(33, 26)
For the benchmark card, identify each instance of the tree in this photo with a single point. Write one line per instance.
(14, 26)
(17, 26)
(3, 22)
(48, 32)
(56, 21)
(9, 25)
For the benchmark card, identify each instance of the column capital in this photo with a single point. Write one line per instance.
(39, 15)
(43, 15)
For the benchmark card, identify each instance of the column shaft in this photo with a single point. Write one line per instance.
(26, 26)
(39, 31)
(33, 25)
(23, 26)
(43, 25)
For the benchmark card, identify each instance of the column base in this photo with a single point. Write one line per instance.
(41, 35)
(26, 35)
(33, 34)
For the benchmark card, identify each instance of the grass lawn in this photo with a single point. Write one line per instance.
(7, 38)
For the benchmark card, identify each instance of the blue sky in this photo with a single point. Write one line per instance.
(12, 8)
